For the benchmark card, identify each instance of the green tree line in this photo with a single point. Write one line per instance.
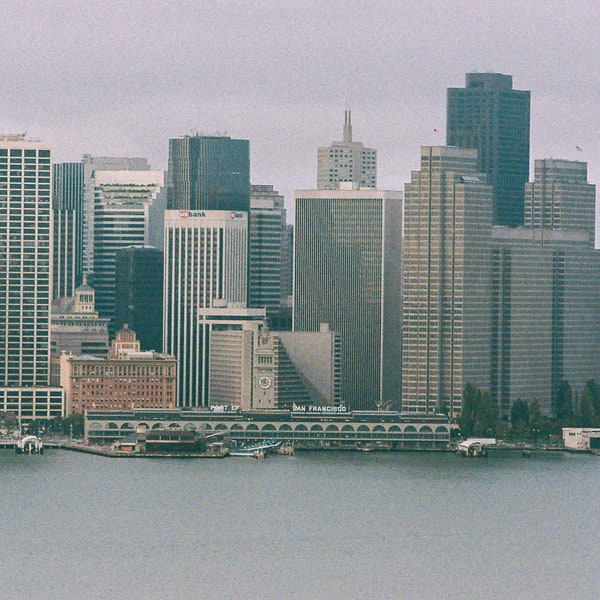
(480, 415)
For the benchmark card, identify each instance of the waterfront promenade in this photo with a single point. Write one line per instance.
(360, 429)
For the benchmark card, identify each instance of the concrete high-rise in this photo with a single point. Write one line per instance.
(491, 117)
(545, 304)
(346, 161)
(26, 280)
(67, 208)
(560, 197)
(126, 206)
(347, 257)
(209, 173)
(205, 284)
(446, 281)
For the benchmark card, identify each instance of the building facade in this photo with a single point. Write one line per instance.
(545, 281)
(129, 378)
(76, 326)
(139, 293)
(346, 161)
(206, 260)
(26, 280)
(347, 260)
(491, 117)
(209, 173)
(446, 281)
(268, 267)
(258, 369)
(67, 209)
(125, 204)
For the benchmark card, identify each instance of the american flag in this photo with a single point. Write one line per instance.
(579, 148)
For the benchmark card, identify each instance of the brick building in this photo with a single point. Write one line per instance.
(129, 378)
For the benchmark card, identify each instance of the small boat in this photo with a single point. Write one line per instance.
(259, 447)
(286, 449)
(29, 444)
(365, 448)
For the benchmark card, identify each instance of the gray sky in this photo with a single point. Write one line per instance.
(122, 77)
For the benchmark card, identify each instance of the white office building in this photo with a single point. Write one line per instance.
(205, 281)
(26, 280)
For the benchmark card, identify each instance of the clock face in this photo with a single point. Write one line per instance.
(265, 383)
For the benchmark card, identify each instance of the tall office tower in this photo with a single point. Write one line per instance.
(560, 197)
(545, 282)
(347, 256)
(491, 117)
(446, 281)
(91, 165)
(288, 286)
(205, 282)
(67, 209)
(346, 161)
(268, 245)
(209, 173)
(126, 207)
(139, 293)
(26, 280)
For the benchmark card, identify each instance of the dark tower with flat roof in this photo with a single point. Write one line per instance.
(493, 118)
(209, 173)
(139, 293)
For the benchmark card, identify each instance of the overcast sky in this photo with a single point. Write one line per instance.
(122, 77)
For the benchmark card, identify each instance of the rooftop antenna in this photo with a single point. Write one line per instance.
(347, 124)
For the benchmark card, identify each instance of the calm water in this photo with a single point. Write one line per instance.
(315, 525)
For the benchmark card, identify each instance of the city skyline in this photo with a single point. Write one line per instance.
(127, 90)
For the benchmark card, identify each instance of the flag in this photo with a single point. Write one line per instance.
(436, 130)
(579, 148)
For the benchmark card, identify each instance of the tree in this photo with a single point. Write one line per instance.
(538, 423)
(591, 394)
(470, 400)
(519, 416)
(587, 414)
(479, 415)
(564, 412)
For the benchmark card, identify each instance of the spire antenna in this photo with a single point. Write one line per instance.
(347, 125)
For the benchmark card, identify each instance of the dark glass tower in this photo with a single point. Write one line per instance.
(491, 117)
(67, 206)
(139, 294)
(209, 173)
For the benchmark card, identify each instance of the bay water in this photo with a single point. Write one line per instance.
(314, 525)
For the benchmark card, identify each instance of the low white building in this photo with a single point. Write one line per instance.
(581, 438)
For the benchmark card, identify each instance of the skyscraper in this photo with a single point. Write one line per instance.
(139, 293)
(346, 161)
(209, 173)
(545, 280)
(560, 197)
(67, 208)
(206, 255)
(446, 281)
(125, 204)
(347, 256)
(491, 117)
(26, 280)
(268, 247)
